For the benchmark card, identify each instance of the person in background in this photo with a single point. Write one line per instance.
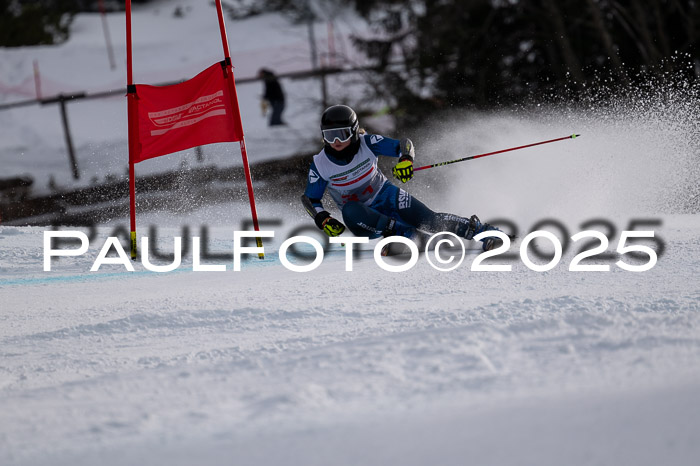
(273, 97)
(372, 206)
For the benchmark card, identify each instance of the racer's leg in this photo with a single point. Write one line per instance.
(362, 220)
(412, 211)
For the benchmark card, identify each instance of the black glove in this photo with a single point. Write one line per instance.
(328, 224)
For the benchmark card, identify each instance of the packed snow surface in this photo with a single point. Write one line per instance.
(267, 366)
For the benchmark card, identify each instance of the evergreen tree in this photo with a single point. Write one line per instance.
(480, 53)
(36, 22)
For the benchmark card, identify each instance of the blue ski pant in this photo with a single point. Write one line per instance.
(409, 214)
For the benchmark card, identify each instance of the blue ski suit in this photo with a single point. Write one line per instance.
(372, 206)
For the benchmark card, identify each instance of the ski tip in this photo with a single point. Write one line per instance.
(574, 136)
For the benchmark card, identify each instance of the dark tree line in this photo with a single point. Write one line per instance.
(484, 53)
(434, 54)
(45, 22)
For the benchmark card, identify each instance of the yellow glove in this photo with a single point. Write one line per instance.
(328, 224)
(263, 107)
(403, 170)
(333, 227)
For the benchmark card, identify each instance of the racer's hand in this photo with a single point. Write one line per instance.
(328, 224)
(403, 170)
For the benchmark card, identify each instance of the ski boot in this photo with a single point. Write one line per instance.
(476, 227)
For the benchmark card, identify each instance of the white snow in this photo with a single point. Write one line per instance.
(166, 49)
(267, 366)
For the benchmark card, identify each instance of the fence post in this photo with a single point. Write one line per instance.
(61, 100)
(37, 80)
(324, 88)
(69, 140)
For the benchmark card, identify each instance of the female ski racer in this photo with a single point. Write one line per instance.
(372, 206)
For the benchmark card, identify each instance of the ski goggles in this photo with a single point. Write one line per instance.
(342, 134)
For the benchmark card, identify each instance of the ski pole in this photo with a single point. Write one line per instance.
(573, 136)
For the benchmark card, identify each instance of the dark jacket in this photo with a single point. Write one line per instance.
(273, 89)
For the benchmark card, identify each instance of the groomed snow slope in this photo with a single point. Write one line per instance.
(269, 366)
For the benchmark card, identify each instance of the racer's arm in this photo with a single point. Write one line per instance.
(315, 187)
(380, 145)
(402, 149)
(311, 200)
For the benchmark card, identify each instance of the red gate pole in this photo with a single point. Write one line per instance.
(234, 103)
(132, 112)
